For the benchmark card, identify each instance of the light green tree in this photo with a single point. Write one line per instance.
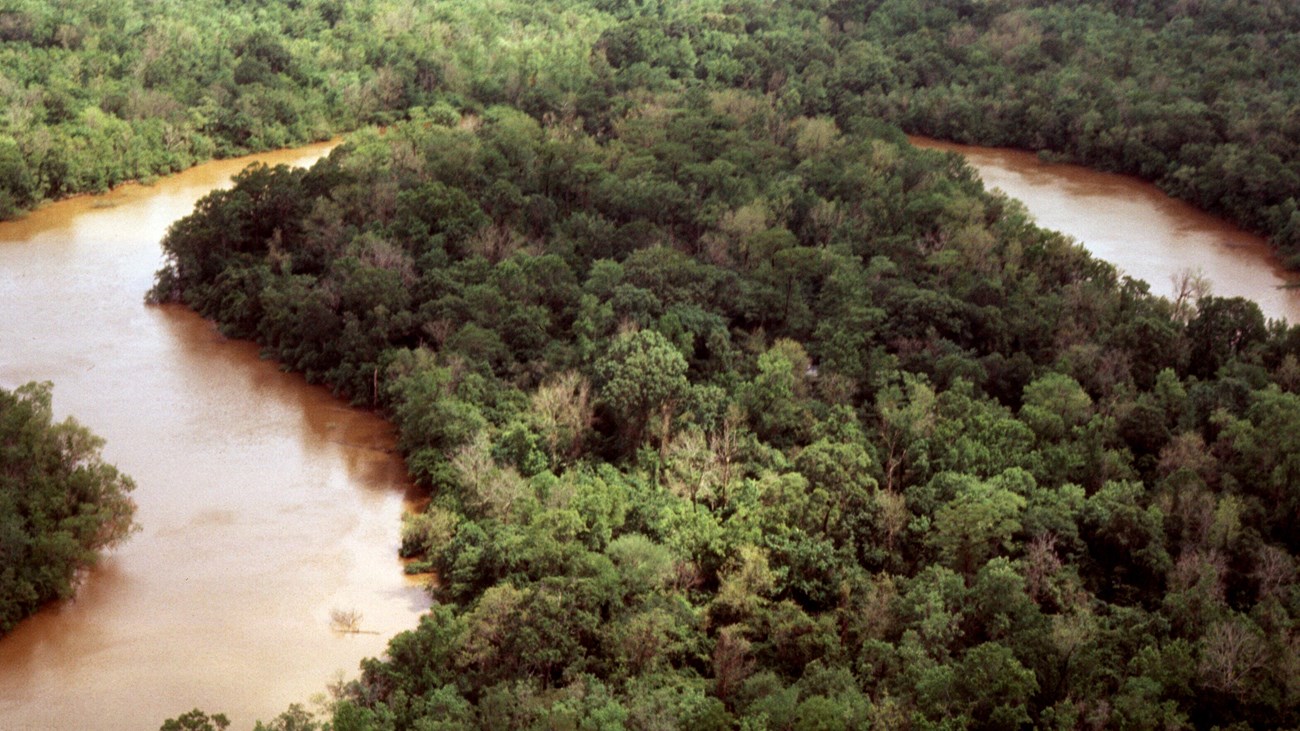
(975, 525)
(642, 376)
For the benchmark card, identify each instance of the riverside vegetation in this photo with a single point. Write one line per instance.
(60, 504)
(1197, 96)
(735, 410)
(734, 419)
(738, 417)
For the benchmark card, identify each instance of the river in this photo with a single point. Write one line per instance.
(265, 503)
(1135, 226)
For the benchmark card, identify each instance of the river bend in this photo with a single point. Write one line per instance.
(265, 503)
(1136, 226)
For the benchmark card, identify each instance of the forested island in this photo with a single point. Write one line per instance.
(735, 410)
(60, 504)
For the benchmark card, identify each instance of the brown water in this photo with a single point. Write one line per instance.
(265, 502)
(1135, 226)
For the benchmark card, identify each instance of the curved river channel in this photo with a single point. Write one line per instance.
(265, 503)
(1135, 226)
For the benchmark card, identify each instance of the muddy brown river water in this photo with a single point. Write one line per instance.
(265, 503)
(1134, 225)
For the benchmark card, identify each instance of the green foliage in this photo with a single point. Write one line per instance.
(102, 94)
(978, 522)
(60, 504)
(196, 720)
(738, 412)
(642, 374)
(1170, 92)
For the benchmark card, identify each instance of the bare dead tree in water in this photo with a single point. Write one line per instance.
(1190, 287)
(345, 620)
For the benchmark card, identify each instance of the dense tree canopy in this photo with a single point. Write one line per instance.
(827, 436)
(60, 504)
(1200, 97)
(97, 93)
(735, 410)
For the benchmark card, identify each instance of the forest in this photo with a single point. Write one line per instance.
(1197, 96)
(60, 504)
(734, 416)
(734, 410)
